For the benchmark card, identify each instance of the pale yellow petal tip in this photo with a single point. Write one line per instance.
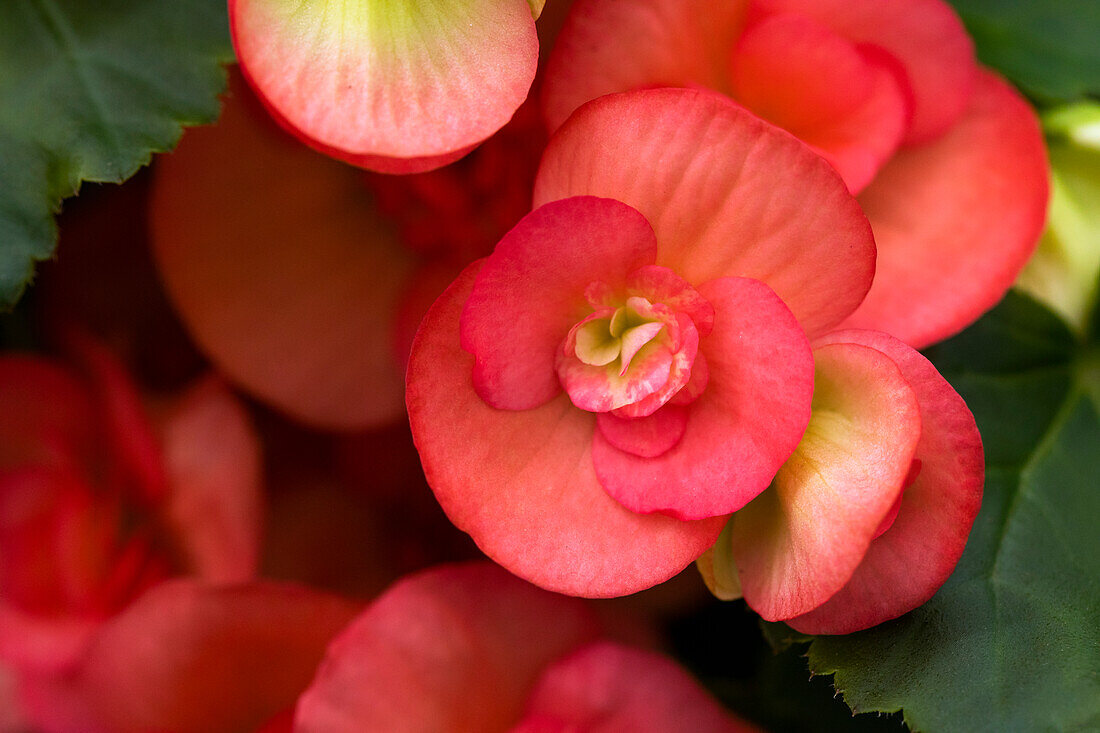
(717, 569)
(1063, 272)
(536, 7)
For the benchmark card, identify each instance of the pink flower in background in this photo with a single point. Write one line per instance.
(947, 159)
(394, 87)
(471, 649)
(100, 502)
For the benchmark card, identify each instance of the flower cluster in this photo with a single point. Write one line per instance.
(667, 314)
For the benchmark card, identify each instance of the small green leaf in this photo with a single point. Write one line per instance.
(1012, 640)
(1047, 47)
(90, 90)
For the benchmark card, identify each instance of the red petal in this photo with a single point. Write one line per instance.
(925, 35)
(819, 87)
(956, 219)
(522, 483)
(607, 47)
(905, 566)
(189, 657)
(741, 428)
(531, 290)
(457, 648)
(45, 414)
(281, 269)
(727, 195)
(373, 84)
(646, 437)
(212, 458)
(605, 687)
(800, 542)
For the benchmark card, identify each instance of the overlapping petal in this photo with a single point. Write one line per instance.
(607, 47)
(801, 540)
(727, 196)
(849, 105)
(926, 36)
(456, 648)
(606, 688)
(520, 309)
(905, 566)
(522, 483)
(281, 269)
(956, 219)
(191, 657)
(741, 428)
(393, 86)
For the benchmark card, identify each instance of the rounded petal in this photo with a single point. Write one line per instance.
(741, 428)
(605, 687)
(522, 483)
(191, 657)
(800, 541)
(607, 47)
(646, 437)
(281, 269)
(905, 566)
(956, 219)
(926, 36)
(825, 91)
(727, 194)
(419, 81)
(212, 459)
(531, 290)
(455, 648)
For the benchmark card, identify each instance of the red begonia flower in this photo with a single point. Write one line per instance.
(871, 513)
(282, 269)
(189, 656)
(948, 161)
(97, 505)
(472, 649)
(591, 399)
(399, 87)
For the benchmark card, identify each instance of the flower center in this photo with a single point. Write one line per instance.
(620, 336)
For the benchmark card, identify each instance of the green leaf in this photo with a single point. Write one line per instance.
(1047, 47)
(90, 90)
(1012, 640)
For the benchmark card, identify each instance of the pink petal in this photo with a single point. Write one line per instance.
(645, 437)
(956, 219)
(818, 86)
(607, 47)
(727, 195)
(925, 35)
(128, 433)
(661, 285)
(522, 483)
(602, 388)
(281, 269)
(531, 291)
(421, 85)
(800, 541)
(212, 458)
(607, 688)
(743, 426)
(905, 566)
(190, 657)
(456, 648)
